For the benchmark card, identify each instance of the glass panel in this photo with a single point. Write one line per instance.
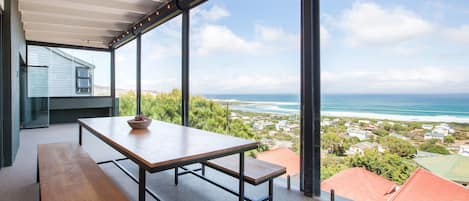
(126, 74)
(83, 72)
(34, 97)
(161, 72)
(84, 83)
(245, 75)
(64, 63)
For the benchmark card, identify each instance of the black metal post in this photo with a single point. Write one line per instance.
(310, 98)
(271, 189)
(113, 82)
(80, 134)
(185, 67)
(176, 176)
(241, 176)
(141, 184)
(139, 74)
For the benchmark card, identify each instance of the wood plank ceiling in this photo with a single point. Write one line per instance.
(90, 23)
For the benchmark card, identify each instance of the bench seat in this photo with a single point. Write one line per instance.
(67, 172)
(255, 171)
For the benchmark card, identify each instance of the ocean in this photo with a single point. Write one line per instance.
(405, 107)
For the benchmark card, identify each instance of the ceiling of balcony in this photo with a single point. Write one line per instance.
(91, 23)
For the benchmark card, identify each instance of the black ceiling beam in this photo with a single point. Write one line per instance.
(46, 44)
(153, 19)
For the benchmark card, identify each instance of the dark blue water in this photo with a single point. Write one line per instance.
(454, 105)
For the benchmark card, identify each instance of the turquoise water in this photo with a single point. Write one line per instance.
(430, 105)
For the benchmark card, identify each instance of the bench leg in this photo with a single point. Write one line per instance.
(37, 170)
(80, 134)
(271, 190)
(141, 184)
(203, 169)
(176, 174)
(241, 176)
(288, 182)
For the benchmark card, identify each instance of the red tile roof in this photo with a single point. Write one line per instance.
(425, 186)
(284, 157)
(359, 184)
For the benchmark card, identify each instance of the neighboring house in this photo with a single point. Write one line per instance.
(361, 147)
(363, 121)
(68, 75)
(435, 134)
(282, 125)
(360, 134)
(464, 150)
(359, 184)
(423, 185)
(451, 167)
(427, 126)
(399, 136)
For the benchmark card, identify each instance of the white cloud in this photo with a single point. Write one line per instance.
(459, 34)
(371, 24)
(248, 83)
(211, 14)
(325, 35)
(397, 80)
(216, 39)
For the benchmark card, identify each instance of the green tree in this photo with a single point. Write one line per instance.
(433, 147)
(331, 165)
(381, 132)
(204, 114)
(334, 143)
(388, 165)
(398, 146)
(449, 139)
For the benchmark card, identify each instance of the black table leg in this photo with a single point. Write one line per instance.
(80, 134)
(141, 184)
(241, 176)
(176, 174)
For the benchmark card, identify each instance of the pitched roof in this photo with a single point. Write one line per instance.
(360, 184)
(284, 157)
(425, 186)
(452, 167)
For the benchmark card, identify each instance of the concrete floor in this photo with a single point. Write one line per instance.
(17, 183)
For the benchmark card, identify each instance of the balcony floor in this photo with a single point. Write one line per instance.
(17, 183)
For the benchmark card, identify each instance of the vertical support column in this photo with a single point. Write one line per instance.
(139, 73)
(310, 98)
(185, 68)
(141, 184)
(80, 134)
(241, 176)
(113, 82)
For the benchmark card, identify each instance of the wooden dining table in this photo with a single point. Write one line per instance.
(163, 146)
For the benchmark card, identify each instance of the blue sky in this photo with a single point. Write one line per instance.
(242, 46)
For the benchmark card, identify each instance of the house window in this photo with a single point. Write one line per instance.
(83, 77)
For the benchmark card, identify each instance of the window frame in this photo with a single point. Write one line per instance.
(78, 89)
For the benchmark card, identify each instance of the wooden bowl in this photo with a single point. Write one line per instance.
(134, 124)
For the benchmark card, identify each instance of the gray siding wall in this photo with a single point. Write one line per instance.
(15, 49)
(62, 82)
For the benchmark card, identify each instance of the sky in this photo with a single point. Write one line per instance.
(253, 47)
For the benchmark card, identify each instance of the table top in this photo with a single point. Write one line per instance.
(163, 145)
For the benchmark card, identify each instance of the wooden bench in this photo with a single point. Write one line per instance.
(67, 172)
(255, 171)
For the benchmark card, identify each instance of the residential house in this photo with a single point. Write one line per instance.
(361, 147)
(436, 134)
(399, 136)
(282, 125)
(464, 150)
(427, 126)
(67, 76)
(359, 184)
(451, 167)
(425, 186)
(360, 134)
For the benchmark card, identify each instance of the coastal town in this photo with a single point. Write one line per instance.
(422, 146)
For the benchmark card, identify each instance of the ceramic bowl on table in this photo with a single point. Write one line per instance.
(139, 124)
